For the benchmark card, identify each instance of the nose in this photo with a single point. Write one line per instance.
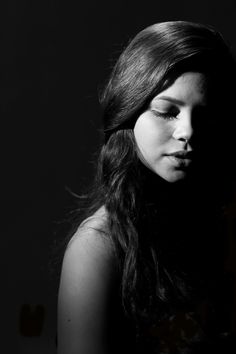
(183, 129)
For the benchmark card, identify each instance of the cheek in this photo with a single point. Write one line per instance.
(150, 132)
(164, 132)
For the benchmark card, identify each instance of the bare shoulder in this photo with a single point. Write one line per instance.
(91, 240)
(87, 279)
(89, 253)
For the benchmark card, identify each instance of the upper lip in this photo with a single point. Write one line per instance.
(182, 154)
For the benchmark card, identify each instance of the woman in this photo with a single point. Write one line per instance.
(145, 270)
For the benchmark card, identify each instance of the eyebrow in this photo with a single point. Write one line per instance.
(170, 99)
(174, 100)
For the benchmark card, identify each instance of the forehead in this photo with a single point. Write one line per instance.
(190, 88)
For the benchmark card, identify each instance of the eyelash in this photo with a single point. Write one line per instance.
(166, 116)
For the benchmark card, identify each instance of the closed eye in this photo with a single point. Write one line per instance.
(165, 115)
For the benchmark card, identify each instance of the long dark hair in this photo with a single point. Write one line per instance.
(133, 197)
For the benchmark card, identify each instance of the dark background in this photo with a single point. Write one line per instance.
(54, 57)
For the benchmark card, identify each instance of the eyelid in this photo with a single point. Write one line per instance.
(165, 115)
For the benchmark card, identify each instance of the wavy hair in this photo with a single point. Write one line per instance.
(132, 196)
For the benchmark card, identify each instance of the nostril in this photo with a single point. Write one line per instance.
(184, 139)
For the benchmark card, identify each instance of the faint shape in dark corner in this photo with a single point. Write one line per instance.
(31, 320)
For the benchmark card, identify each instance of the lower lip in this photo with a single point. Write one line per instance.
(179, 162)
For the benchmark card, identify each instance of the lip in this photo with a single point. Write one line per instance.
(181, 159)
(182, 154)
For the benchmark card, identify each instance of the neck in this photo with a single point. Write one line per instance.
(160, 191)
(191, 194)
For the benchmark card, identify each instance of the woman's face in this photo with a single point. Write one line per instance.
(164, 132)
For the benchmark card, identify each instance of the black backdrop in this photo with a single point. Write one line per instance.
(54, 57)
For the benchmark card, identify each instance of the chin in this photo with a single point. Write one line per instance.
(174, 176)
